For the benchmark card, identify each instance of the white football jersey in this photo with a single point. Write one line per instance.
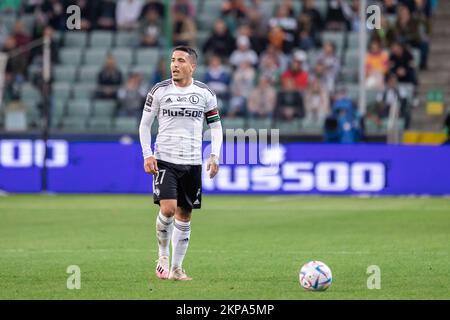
(180, 112)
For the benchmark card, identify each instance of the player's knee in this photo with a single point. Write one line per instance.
(168, 209)
(183, 214)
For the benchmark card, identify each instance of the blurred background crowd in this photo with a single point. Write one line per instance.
(289, 64)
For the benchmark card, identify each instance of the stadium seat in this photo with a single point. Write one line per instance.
(84, 90)
(101, 39)
(200, 71)
(9, 20)
(146, 70)
(321, 6)
(28, 20)
(201, 37)
(104, 107)
(260, 123)
(101, 124)
(29, 91)
(75, 39)
(61, 90)
(147, 56)
(310, 127)
(58, 108)
(71, 56)
(123, 56)
(233, 123)
(79, 108)
(95, 56)
(127, 39)
(73, 124)
(88, 74)
(65, 73)
(126, 124)
(288, 127)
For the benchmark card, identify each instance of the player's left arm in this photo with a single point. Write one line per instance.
(213, 120)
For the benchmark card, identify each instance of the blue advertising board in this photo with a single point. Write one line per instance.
(292, 168)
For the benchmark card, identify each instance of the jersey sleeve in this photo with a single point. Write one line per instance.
(211, 101)
(151, 109)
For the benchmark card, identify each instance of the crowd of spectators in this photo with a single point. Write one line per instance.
(261, 63)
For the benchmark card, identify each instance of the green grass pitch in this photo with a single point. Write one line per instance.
(241, 247)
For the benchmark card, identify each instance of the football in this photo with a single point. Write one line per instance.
(315, 276)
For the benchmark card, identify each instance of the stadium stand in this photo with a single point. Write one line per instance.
(279, 31)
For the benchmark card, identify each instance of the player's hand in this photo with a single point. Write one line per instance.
(212, 166)
(151, 165)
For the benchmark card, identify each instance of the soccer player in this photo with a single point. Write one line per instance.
(180, 104)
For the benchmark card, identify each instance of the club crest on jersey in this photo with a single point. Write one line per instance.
(194, 99)
(149, 100)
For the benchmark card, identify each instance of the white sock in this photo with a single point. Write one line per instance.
(180, 242)
(164, 228)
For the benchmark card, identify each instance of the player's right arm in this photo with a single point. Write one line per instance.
(151, 109)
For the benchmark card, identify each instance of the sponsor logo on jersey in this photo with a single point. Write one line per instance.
(194, 99)
(183, 112)
(182, 99)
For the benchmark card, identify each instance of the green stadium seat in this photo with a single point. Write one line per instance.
(73, 124)
(88, 74)
(64, 73)
(84, 90)
(61, 90)
(126, 125)
(201, 37)
(9, 20)
(321, 6)
(79, 108)
(200, 71)
(75, 39)
(30, 92)
(95, 56)
(102, 124)
(123, 56)
(260, 123)
(101, 39)
(71, 56)
(336, 37)
(104, 107)
(58, 108)
(311, 127)
(28, 20)
(351, 59)
(233, 123)
(206, 21)
(127, 39)
(146, 70)
(416, 54)
(288, 127)
(147, 56)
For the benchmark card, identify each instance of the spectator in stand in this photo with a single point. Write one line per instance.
(296, 72)
(289, 102)
(309, 9)
(242, 84)
(328, 58)
(377, 65)
(150, 29)
(385, 101)
(128, 13)
(257, 43)
(411, 31)
(288, 24)
(160, 73)
(131, 96)
(234, 13)
(20, 34)
(105, 15)
(262, 99)
(184, 29)
(339, 15)
(276, 37)
(317, 102)
(109, 79)
(220, 42)
(243, 53)
(390, 7)
(155, 5)
(257, 18)
(218, 78)
(17, 64)
(447, 129)
(269, 68)
(349, 121)
(186, 6)
(88, 12)
(306, 37)
(55, 13)
(402, 63)
(381, 35)
(29, 6)
(277, 56)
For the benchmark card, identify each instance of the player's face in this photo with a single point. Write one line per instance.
(181, 66)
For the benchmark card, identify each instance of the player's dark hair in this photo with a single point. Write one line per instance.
(192, 53)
